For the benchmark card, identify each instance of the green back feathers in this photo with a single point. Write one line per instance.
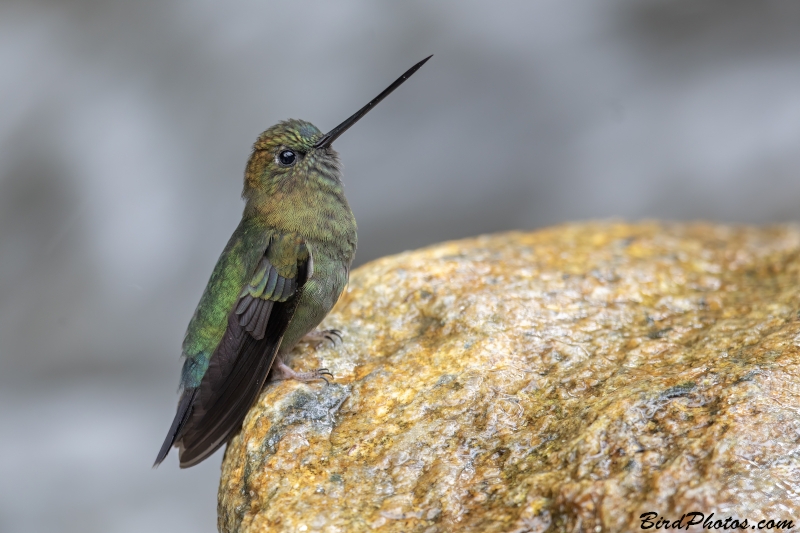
(233, 271)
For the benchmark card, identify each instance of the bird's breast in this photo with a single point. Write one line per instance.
(321, 218)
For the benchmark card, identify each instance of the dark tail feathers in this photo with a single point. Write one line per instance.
(181, 416)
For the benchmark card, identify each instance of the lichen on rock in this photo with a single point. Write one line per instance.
(568, 379)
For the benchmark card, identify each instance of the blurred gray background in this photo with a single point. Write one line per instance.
(125, 127)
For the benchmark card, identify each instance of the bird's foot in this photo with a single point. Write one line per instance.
(319, 336)
(282, 371)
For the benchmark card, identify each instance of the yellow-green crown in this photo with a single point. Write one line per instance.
(297, 134)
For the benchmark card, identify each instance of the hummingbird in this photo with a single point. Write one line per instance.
(281, 272)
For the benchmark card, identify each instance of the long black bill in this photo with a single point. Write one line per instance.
(334, 134)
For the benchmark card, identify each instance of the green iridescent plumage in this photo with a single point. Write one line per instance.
(281, 272)
(210, 319)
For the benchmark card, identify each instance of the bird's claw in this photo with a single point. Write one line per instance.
(332, 335)
(322, 372)
(317, 337)
(282, 371)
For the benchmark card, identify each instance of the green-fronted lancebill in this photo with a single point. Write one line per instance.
(281, 272)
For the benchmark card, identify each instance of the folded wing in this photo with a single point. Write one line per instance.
(210, 413)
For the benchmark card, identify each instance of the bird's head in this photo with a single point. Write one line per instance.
(295, 153)
(287, 155)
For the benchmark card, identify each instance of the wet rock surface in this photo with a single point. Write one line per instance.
(568, 379)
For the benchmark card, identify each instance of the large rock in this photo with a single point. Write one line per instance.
(570, 379)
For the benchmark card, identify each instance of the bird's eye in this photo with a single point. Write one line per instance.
(287, 158)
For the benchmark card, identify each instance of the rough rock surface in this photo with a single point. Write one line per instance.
(569, 379)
